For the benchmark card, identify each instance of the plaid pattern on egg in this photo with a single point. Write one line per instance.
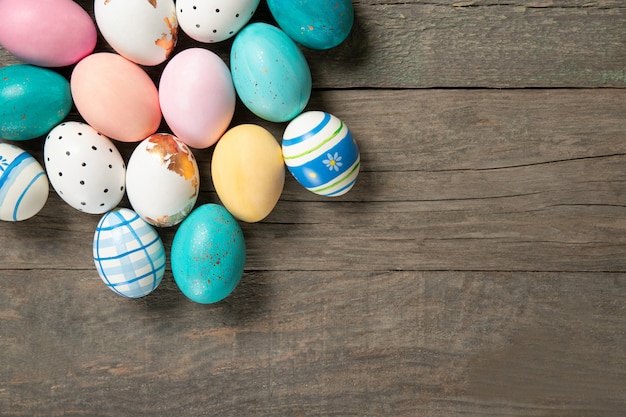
(128, 253)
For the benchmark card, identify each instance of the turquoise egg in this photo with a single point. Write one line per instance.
(208, 254)
(321, 153)
(316, 24)
(32, 101)
(270, 73)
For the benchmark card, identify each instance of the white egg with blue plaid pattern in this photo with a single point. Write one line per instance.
(128, 253)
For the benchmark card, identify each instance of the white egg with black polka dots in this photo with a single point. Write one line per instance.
(214, 20)
(84, 167)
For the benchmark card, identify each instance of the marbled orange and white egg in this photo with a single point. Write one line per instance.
(162, 180)
(143, 31)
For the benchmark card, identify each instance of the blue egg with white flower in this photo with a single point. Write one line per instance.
(321, 153)
(128, 253)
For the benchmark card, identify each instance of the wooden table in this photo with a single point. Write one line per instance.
(477, 268)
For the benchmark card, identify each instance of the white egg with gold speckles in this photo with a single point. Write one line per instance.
(143, 31)
(162, 180)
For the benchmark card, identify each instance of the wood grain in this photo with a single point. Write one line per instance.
(477, 268)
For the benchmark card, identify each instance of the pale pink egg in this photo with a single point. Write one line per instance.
(48, 33)
(116, 97)
(197, 97)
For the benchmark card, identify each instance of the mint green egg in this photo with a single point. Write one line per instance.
(32, 101)
(208, 254)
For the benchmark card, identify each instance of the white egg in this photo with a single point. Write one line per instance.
(128, 253)
(143, 31)
(84, 167)
(162, 180)
(23, 184)
(214, 20)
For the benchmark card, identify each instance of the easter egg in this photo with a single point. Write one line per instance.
(162, 180)
(116, 97)
(214, 21)
(248, 172)
(47, 33)
(321, 153)
(208, 254)
(270, 73)
(144, 31)
(316, 24)
(197, 97)
(23, 184)
(85, 168)
(128, 253)
(32, 101)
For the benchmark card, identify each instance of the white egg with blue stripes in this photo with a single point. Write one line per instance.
(24, 185)
(128, 253)
(321, 153)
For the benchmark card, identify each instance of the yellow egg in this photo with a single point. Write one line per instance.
(248, 172)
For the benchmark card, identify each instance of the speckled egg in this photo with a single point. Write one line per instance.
(144, 31)
(208, 254)
(116, 97)
(316, 24)
(85, 168)
(215, 20)
(270, 73)
(248, 172)
(23, 184)
(47, 33)
(128, 253)
(162, 180)
(32, 101)
(197, 97)
(321, 153)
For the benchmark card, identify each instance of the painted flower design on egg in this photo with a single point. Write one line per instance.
(333, 162)
(3, 163)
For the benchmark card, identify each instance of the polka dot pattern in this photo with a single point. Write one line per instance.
(214, 21)
(90, 170)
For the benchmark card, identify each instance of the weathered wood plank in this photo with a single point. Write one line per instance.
(512, 180)
(435, 44)
(415, 44)
(300, 343)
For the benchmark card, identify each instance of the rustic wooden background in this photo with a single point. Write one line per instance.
(477, 268)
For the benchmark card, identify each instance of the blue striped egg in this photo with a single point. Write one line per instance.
(321, 153)
(23, 184)
(128, 253)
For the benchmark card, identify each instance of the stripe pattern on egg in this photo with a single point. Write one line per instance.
(128, 253)
(23, 184)
(321, 153)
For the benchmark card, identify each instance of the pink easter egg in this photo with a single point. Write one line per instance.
(197, 97)
(116, 97)
(48, 33)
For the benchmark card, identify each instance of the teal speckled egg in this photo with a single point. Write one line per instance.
(208, 254)
(32, 101)
(270, 73)
(316, 24)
